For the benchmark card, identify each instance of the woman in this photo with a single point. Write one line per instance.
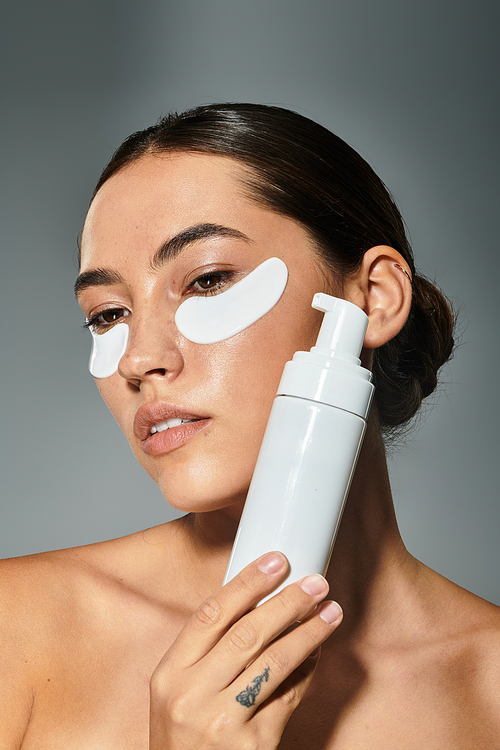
(133, 643)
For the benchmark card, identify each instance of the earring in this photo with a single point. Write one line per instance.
(397, 265)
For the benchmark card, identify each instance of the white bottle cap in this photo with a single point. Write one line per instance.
(331, 372)
(343, 329)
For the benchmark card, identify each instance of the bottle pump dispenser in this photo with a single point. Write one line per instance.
(310, 448)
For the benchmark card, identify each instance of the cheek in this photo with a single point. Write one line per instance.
(111, 391)
(246, 369)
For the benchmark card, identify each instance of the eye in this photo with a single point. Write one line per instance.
(211, 283)
(106, 319)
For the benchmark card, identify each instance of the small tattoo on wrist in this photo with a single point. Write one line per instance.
(248, 696)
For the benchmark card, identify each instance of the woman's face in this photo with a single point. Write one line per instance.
(227, 388)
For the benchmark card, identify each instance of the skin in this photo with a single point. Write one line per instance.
(132, 643)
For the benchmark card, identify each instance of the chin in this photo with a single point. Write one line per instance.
(201, 492)
(194, 503)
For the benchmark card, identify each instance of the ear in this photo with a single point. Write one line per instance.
(382, 289)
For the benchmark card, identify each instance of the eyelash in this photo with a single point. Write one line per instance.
(223, 278)
(103, 327)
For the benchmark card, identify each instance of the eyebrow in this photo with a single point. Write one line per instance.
(170, 249)
(174, 246)
(96, 277)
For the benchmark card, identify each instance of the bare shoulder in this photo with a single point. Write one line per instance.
(46, 594)
(33, 598)
(477, 634)
(40, 595)
(483, 662)
(64, 607)
(473, 675)
(51, 587)
(47, 582)
(32, 590)
(469, 665)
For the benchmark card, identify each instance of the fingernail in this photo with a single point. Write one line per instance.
(314, 585)
(271, 563)
(330, 612)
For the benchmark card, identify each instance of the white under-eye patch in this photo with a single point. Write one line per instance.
(208, 320)
(107, 350)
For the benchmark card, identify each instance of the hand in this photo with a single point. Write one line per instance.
(228, 681)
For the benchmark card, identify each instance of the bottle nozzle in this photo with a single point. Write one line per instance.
(343, 328)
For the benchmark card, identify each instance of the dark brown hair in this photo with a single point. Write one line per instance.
(303, 171)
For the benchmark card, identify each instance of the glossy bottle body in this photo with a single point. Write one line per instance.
(299, 487)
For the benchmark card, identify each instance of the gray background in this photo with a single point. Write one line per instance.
(412, 85)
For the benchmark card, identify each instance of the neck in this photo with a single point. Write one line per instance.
(370, 565)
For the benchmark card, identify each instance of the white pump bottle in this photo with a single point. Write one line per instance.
(310, 448)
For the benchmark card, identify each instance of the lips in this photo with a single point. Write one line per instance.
(162, 427)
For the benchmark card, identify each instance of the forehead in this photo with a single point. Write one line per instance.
(162, 194)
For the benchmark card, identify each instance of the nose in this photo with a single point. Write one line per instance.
(152, 351)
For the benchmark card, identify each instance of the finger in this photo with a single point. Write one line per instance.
(252, 633)
(217, 614)
(281, 658)
(277, 710)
